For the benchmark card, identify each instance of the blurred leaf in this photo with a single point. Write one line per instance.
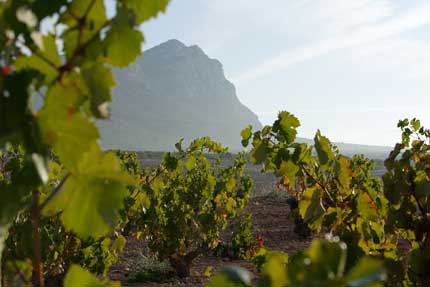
(63, 125)
(95, 13)
(366, 272)
(274, 272)
(79, 277)
(246, 133)
(190, 163)
(123, 42)
(146, 9)
(92, 213)
(322, 264)
(231, 277)
(100, 81)
(46, 60)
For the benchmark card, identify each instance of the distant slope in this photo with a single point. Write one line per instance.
(174, 92)
(371, 151)
(374, 152)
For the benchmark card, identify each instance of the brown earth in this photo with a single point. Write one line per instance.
(270, 221)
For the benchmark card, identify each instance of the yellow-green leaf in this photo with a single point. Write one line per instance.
(323, 148)
(46, 60)
(92, 195)
(64, 126)
(123, 42)
(310, 206)
(79, 277)
(146, 9)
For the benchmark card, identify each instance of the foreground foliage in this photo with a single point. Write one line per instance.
(69, 68)
(322, 264)
(60, 248)
(188, 201)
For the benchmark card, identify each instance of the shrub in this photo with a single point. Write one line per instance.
(191, 200)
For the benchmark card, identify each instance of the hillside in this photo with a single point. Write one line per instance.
(172, 92)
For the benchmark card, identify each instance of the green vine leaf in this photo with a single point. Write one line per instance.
(64, 126)
(123, 42)
(79, 277)
(46, 60)
(259, 153)
(146, 9)
(367, 207)
(100, 81)
(92, 195)
(323, 148)
(287, 125)
(310, 206)
(78, 35)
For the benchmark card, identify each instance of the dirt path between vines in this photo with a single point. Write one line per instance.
(270, 221)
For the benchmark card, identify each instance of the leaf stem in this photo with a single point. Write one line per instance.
(54, 192)
(319, 183)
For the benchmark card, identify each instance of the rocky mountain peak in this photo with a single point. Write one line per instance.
(174, 91)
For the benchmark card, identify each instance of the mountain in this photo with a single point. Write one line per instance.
(173, 92)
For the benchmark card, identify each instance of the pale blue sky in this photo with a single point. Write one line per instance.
(351, 68)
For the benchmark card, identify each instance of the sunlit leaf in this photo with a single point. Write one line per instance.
(310, 205)
(64, 126)
(123, 42)
(93, 194)
(79, 277)
(287, 124)
(46, 60)
(323, 148)
(367, 207)
(146, 9)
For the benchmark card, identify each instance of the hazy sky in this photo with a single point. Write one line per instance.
(351, 68)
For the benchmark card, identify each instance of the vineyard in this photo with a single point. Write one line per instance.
(68, 208)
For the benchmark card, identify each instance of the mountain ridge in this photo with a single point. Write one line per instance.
(173, 92)
(176, 91)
